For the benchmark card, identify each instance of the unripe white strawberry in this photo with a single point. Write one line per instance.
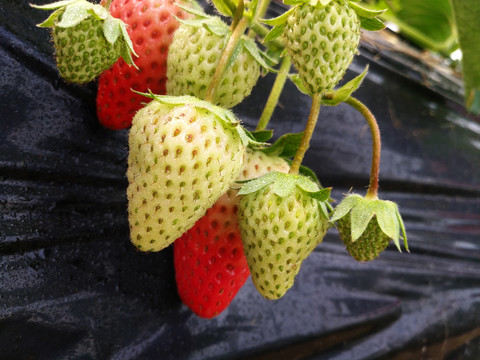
(183, 157)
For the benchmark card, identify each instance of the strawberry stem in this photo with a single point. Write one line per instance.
(272, 100)
(307, 134)
(238, 15)
(226, 55)
(372, 192)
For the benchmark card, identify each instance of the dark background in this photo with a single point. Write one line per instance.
(73, 287)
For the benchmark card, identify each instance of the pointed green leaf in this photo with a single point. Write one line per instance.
(364, 12)
(216, 26)
(254, 185)
(250, 46)
(284, 184)
(192, 10)
(236, 52)
(111, 29)
(225, 7)
(274, 33)
(73, 15)
(360, 215)
(54, 5)
(371, 24)
(279, 20)
(285, 146)
(342, 94)
(307, 185)
(345, 206)
(306, 171)
(127, 49)
(50, 22)
(263, 135)
(297, 80)
(402, 228)
(386, 212)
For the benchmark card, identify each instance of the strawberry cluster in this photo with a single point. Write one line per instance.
(231, 203)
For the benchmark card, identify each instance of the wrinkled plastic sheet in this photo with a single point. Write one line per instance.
(73, 287)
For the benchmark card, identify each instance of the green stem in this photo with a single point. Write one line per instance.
(274, 94)
(259, 13)
(238, 15)
(226, 55)
(372, 192)
(262, 30)
(307, 134)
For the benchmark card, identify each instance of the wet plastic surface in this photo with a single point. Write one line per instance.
(73, 287)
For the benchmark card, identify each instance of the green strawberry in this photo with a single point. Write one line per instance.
(87, 39)
(184, 154)
(282, 218)
(367, 225)
(321, 41)
(193, 57)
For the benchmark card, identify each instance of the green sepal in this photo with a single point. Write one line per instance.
(363, 210)
(250, 46)
(225, 7)
(371, 24)
(333, 98)
(284, 185)
(285, 146)
(77, 12)
(223, 114)
(195, 9)
(262, 135)
(364, 12)
(274, 33)
(298, 82)
(279, 20)
(55, 5)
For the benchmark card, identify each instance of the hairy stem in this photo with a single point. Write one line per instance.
(274, 94)
(372, 192)
(238, 15)
(226, 55)
(307, 134)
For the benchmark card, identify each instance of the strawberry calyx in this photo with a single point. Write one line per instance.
(224, 115)
(69, 13)
(364, 210)
(285, 185)
(216, 26)
(368, 18)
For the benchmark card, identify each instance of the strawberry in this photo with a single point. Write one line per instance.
(210, 266)
(194, 55)
(366, 226)
(87, 39)
(321, 41)
(151, 25)
(184, 154)
(282, 218)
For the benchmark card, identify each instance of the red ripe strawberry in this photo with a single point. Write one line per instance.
(210, 265)
(151, 25)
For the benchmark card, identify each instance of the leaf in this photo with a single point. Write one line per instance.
(386, 212)
(279, 20)
(193, 10)
(360, 216)
(54, 5)
(275, 33)
(263, 135)
(364, 12)
(216, 26)
(74, 14)
(225, 7)
(254, 185)
(371, 24)
(297, 80)
(467, 16)
(285, 146)
(250, 46)
(345, 206)
(340, 95)
(50, 21)
(284, 184)
(111, 29)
